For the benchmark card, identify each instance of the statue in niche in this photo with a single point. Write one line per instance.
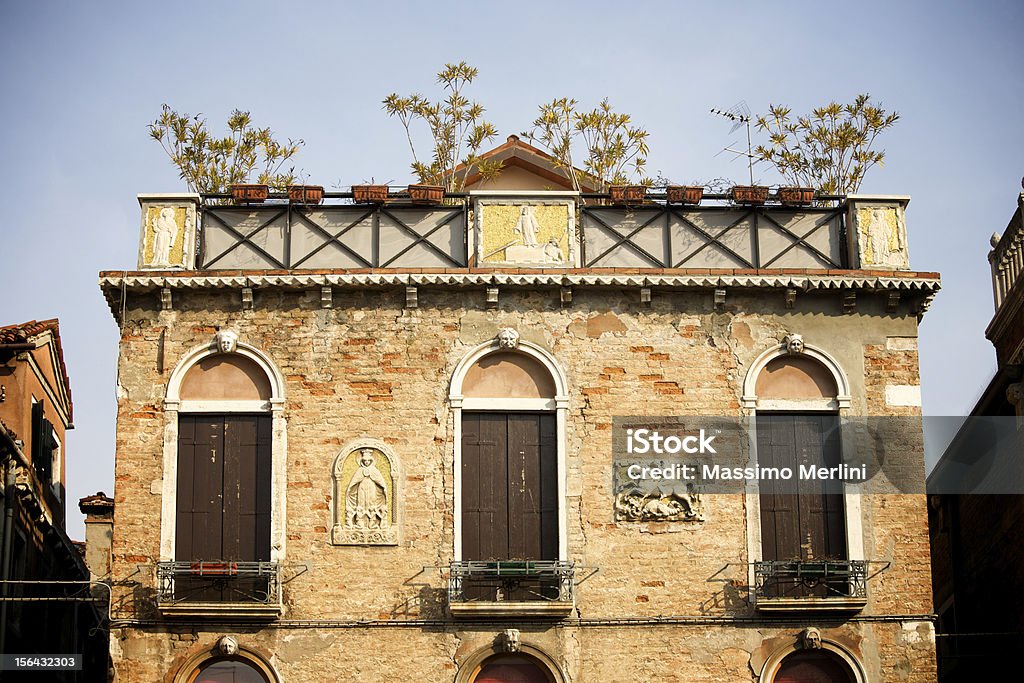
(164, 228)
(366, 498)
(527, 227)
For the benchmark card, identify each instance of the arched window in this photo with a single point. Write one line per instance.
(223, 492)
(800, 525)
(512, 669)
(814, 666)
(228, 670)
(509, 401)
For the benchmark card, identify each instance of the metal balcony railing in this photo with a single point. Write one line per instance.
(238, 583)
(511, 581)
(810, 579)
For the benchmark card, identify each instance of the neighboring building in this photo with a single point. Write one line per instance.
(977, 567)
(37, 615)
(375, 442)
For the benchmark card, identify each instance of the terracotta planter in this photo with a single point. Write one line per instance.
(684, 194)
(426, 194)
(370, 194)
(796, 196)
(249, 193)
(305, 194)
(627, 194)
(750, 194)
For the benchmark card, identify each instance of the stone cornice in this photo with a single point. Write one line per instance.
(924, 284)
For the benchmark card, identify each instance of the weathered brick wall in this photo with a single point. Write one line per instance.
(368, 367)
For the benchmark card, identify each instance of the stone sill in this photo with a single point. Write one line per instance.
(811, 604)
(221, 610)
(533, 608)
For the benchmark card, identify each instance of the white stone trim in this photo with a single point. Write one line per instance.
(255, 406)
(173, 405)
(903, 395)
(560, 405)
(774, 662)
(508, 404)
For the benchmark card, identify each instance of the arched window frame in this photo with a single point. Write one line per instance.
(473, 664)
(173, 405)
(188, 670)
(774, 662)
(559, 404)
(839, 405)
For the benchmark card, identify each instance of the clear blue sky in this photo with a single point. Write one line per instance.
(80, 81)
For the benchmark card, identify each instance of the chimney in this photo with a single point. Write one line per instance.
(99, 529)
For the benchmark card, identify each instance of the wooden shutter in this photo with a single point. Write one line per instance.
(809, 524)
(223, 494)
(509, 486)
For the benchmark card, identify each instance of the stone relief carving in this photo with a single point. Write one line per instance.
(227, 646)
(508, 338)
(648, 500)
(810, 639)
(509, 639)
(226, 341)
(167, 233)
(794, 343)
(365, 473)
(882, 237)
(540, 232)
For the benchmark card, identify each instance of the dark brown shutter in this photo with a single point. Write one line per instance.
(509, 486)
(810, 525)
(223, 495)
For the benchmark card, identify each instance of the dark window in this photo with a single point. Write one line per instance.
(229, 671)
(810, 524)
(43, 443)
(509, 486)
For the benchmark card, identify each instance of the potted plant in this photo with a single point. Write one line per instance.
(370, 194)
(426, 194)
(750, 194)
(684, 194)
(305, 194)
(627, 194)
(249, 193)
(796, 196)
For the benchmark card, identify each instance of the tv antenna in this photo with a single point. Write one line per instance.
(739, 114)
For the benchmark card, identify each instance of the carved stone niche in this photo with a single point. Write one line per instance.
(648, 500)
(365, 476)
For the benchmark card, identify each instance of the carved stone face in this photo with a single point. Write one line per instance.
(227, 646)
(227, 341)
(508, 338)
(510, 640)
(811, 639)
(794, 343)
(366, 457)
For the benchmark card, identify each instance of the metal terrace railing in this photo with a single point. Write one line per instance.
(252, 583)
(399, 234)
(511, 581)
(669, 236)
